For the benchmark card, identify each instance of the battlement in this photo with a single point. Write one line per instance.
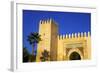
(74, 35)
(48, 21)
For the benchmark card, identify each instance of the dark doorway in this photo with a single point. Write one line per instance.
(75, 56)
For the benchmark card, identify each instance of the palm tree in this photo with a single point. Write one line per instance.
(33, 39)
(45, 56)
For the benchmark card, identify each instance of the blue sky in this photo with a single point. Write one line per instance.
(68, 22)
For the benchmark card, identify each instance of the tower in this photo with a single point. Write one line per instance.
(48, 30)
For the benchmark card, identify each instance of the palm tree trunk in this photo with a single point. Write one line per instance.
(33, 56)
(33, 49)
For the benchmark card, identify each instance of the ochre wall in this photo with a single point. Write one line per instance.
(81, 41)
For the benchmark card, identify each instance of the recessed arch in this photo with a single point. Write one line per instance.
(75, 56)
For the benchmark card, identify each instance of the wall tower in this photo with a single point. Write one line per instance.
(48, 30)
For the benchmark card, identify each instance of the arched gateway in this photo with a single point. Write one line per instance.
(75, 56)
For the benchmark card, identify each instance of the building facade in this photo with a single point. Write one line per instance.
(74, 46)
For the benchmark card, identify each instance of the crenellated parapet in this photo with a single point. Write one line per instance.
(74, 35)
(45, 21)
(48, 21)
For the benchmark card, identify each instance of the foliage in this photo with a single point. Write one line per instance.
(32, 58)
(25, 55)
(45, 56)
(33, 38)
